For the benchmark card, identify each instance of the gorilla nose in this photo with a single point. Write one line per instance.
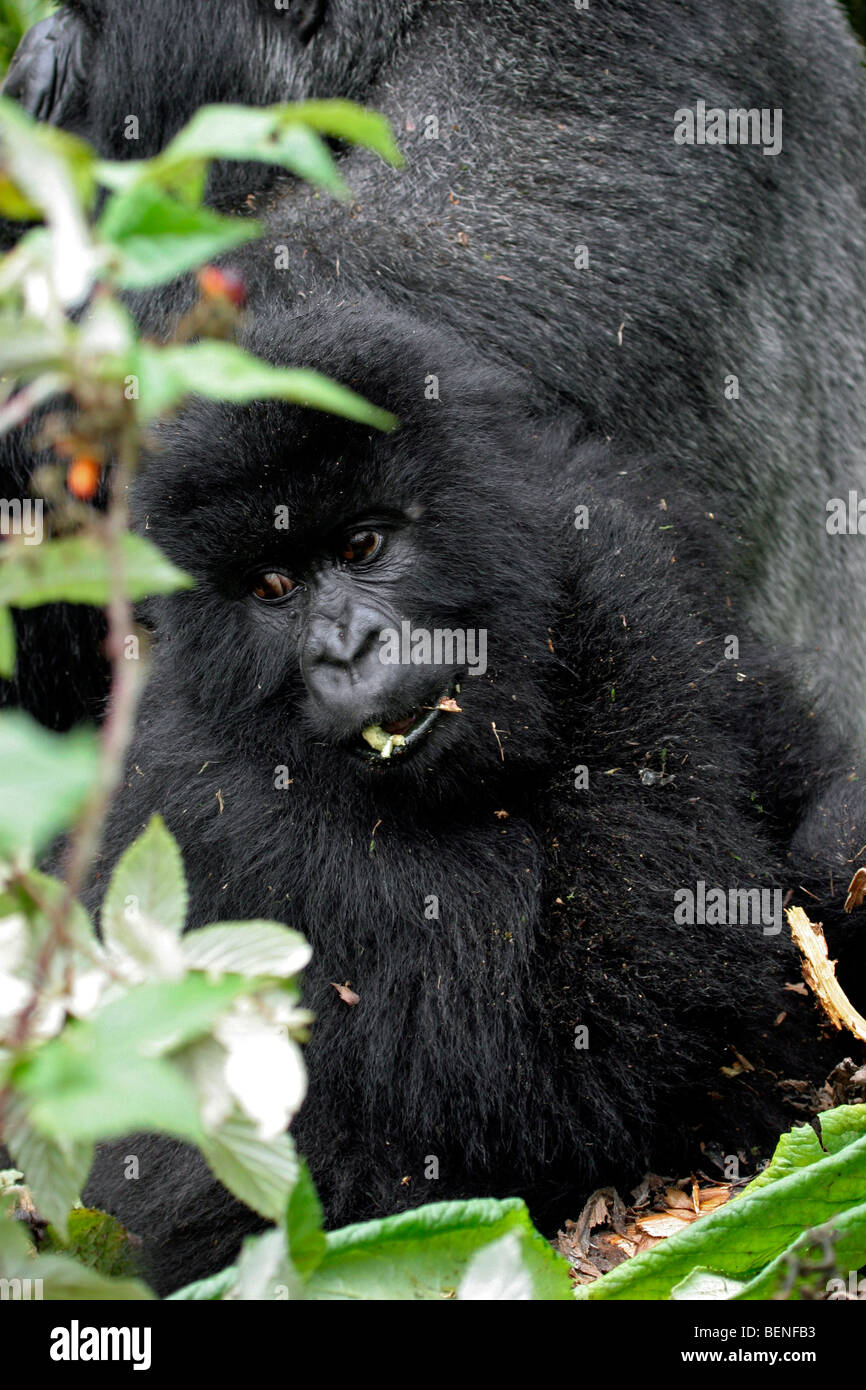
(342, 664)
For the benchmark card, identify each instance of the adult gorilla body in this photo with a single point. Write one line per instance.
(555, 130)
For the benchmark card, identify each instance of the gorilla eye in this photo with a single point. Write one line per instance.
(272, 585)
(363, 545)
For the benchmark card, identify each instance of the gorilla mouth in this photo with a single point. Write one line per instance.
(396, 737)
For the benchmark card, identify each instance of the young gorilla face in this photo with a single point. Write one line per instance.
(349, 582)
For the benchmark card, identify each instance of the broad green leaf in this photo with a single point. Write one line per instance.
(7, 644)
(246, 948)
(76, 569)
(209, 1290)
(739, 1239)
(306, 1238)
(424, 1254)
(260, 1172)
(703, 1285)
(44, 781)
(158, 238)
(498, 1273)
(221, 371)
(801, 1146)
(264, 1271)
(144, 908)
(849, 1252)
(55, 1170)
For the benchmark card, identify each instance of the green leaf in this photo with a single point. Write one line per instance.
(76, 569)
(110, 1075)
(159, 238)
(246, 948)
(741, 1238)
(221, 371)
(425, 1253)
(801, 1146)
(44, 781)
(98, 1241)
(849, 1252)
(154, 1019)
(268, 135)
(81, 1089)
(56, 172)
(345, 120)
(55, 1170)
(65, 1280)
(264, 1271)
(7, 644)
(704, 1285)
(260, 1172)
(147, 891)
(14, 205)
(209, 1290)
(306, 1238)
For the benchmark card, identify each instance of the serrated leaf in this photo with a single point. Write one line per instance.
(158, 238)
(44, 781)
(268, 135)
(80, 1089)
(144, 908)
(224, 372)
(76, 569)
(55, 1170)
(260, 1173)
(345, 120)
(246, 948)
(154, 1019)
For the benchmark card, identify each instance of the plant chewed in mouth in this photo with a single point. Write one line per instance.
(397, 736)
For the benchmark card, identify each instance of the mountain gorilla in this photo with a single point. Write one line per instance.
(496, 881)
(701, 307)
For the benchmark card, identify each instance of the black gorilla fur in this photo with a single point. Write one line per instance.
(555, 131)
(560, 915)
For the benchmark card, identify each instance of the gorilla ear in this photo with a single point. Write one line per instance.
(46, 75)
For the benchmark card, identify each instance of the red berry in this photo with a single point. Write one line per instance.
(82, 478)
(222, 284)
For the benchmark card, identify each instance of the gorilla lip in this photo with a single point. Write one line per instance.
(395, 737)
